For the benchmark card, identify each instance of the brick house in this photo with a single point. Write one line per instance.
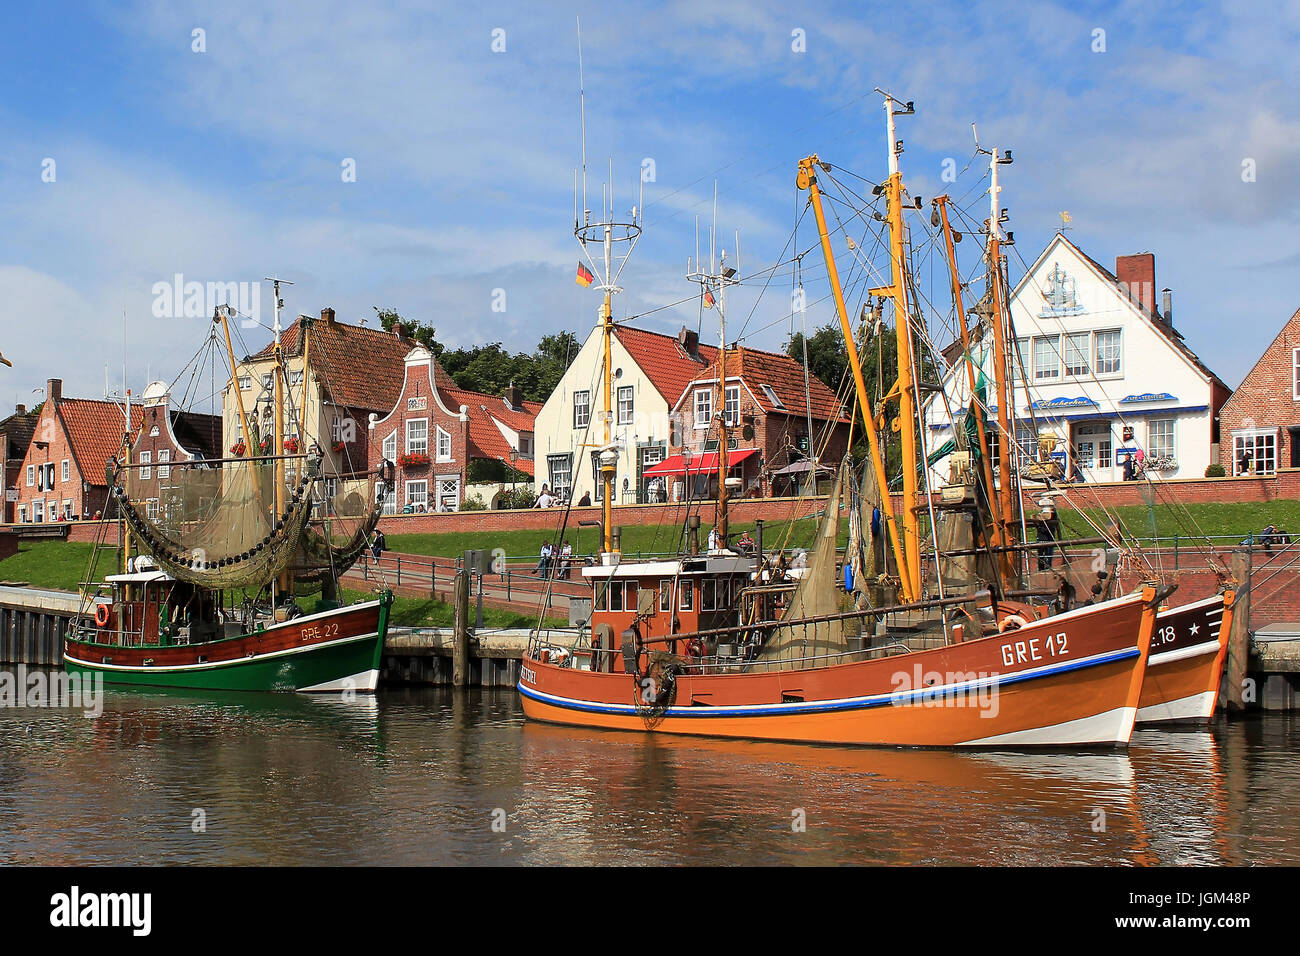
(62, 474)
(1263, 414)
(769, 447)
(434, 431)
(15, 437)
(351, 373)
(168, 437)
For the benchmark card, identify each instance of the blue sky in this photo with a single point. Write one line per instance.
(225, 165)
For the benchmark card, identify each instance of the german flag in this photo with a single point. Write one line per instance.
(585, 276)
(708, 299)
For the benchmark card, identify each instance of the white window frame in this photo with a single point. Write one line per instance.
(626, 396)
(410, 488)
(703, 404)
(1098, 369)
(146, 472)
(583, 419)
(389, 447)
(1151, 449)
(1256, 437)
(245, 382)
(730, 407)
(1295, 375)
(38, 511)
(31, 476)
(389, 506)
(65, 471)
(443, 436)
(1083, 366)
(1047, 372)
(22, 514)
(555, 486)
(417, 446)
(164, 463)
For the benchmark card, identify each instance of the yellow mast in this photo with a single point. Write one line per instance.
(807, 179)
(234, 381)
(277, 372)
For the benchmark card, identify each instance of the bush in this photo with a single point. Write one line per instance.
(474, 503)
(1215, 471)
(522, 497)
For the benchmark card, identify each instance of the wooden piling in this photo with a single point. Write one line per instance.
(460, 634)
(1238, 635)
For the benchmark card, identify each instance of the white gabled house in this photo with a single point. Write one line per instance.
(1107, 372)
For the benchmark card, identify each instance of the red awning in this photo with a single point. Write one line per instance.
(700, 464)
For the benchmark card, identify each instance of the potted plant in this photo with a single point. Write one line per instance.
(238, 449)
(338, 446)
(291, 444)
(413, 460)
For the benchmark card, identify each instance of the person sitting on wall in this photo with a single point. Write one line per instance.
(745, 543)
(545, 499)
(566, 559)
(585, 500)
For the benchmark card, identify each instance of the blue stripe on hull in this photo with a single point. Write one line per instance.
(849, 703)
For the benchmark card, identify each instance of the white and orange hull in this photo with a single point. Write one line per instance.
(1065, 681)
(1188, 649)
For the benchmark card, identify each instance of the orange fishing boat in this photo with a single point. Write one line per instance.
(1188, 649)
(726, 645)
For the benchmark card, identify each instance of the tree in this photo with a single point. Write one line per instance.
(419, 331)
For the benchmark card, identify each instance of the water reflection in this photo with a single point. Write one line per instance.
(421, 775)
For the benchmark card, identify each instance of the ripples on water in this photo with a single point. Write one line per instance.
(414, 777)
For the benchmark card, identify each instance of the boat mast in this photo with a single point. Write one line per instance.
(999, 524)
(708, 282)
(277, 380)
(807, 179)
(608, 267)
(1006, 387)
(905, 387)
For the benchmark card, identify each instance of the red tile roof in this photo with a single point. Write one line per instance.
(94, 431)
(784, 375)
(663, 360)
(485, 439)
(361, 368)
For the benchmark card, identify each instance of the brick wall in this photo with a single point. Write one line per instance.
(1266, 397)
(418, 391)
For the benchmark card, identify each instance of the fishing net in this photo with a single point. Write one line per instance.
(340, 529)
(816, 595)
(216, 527)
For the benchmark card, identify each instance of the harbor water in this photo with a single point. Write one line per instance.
(443, 776)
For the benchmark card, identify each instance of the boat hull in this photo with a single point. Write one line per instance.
(332, 651)
(1065, 681)
(1188, 649)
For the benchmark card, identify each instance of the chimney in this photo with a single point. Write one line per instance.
(1167, 306)
(689, 341)
(514, 397)
(399, 330)
(54, 390)
(20, 409)
(1137, 278)
(327, 315)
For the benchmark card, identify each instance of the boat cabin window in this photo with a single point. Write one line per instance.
(687, 590)
(616, 596)
(707, 591)
(666, 594)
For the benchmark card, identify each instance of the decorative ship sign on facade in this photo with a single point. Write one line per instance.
(1107, 372)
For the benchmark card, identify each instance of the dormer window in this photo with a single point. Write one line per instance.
(703, 407)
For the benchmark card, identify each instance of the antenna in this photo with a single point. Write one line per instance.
(582, 114)
(279, 302)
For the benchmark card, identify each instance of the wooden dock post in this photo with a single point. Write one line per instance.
(460, 634)
(1238, 635)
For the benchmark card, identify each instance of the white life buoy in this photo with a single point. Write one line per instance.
(1012, 622)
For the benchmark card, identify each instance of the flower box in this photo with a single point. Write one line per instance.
(414, 460)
